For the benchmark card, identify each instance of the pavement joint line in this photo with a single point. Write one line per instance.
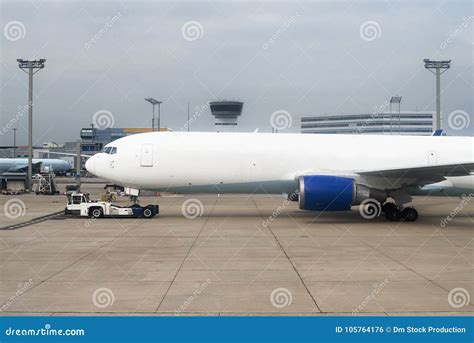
(32, 239)
(402, 264)
(230, 313)
(187, 254)
(141, 258)
(114, 238)
(304, 229)
(288, 257)
(61, 270)
(456, 244)
(73, 263)
(80, 259)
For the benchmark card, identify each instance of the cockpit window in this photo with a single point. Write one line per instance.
(109, 150)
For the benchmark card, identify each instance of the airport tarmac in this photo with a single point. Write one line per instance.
(241, 255)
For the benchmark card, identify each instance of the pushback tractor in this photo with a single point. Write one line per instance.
(79, 204)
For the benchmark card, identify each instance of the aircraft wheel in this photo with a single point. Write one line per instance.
(409, 214)
(388, 206)
(393, 214)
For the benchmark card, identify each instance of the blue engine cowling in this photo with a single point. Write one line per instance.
(326, 193)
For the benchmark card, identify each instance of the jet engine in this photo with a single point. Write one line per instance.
(333, 193)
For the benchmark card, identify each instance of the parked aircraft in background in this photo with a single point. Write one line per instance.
(16, 165)
(452, 186)
(329, 172)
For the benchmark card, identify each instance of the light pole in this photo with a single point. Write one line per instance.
(93, 138)
(188, 116)
(395, 100)
(155, 102)
(33, 67)
(437, 66)
(14, 142)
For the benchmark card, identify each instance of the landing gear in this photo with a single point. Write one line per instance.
(409, 214)
(394, 214)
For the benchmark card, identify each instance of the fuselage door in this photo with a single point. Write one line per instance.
(146, 156)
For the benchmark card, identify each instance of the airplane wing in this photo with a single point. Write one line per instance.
(392, 179)
(436, 171)
(417, 176)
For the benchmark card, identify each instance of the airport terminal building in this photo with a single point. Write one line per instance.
(403, 123)
(94, 139)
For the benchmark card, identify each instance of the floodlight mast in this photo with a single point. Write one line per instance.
(395, 100)
(14, 142)
(153, 120)
(33, 66)
(437, 68)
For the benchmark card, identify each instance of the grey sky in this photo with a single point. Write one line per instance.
(307, 58)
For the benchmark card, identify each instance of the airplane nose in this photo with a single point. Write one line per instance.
(90, 165)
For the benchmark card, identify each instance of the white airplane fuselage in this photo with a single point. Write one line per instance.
(262, 163)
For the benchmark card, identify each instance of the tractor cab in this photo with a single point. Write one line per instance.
(74, 202)
(77, 198)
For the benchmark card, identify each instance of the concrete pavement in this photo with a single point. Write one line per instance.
(236, 257)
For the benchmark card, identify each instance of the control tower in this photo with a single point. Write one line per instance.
(226, 114)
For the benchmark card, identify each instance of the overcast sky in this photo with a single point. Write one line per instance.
(307, 58)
